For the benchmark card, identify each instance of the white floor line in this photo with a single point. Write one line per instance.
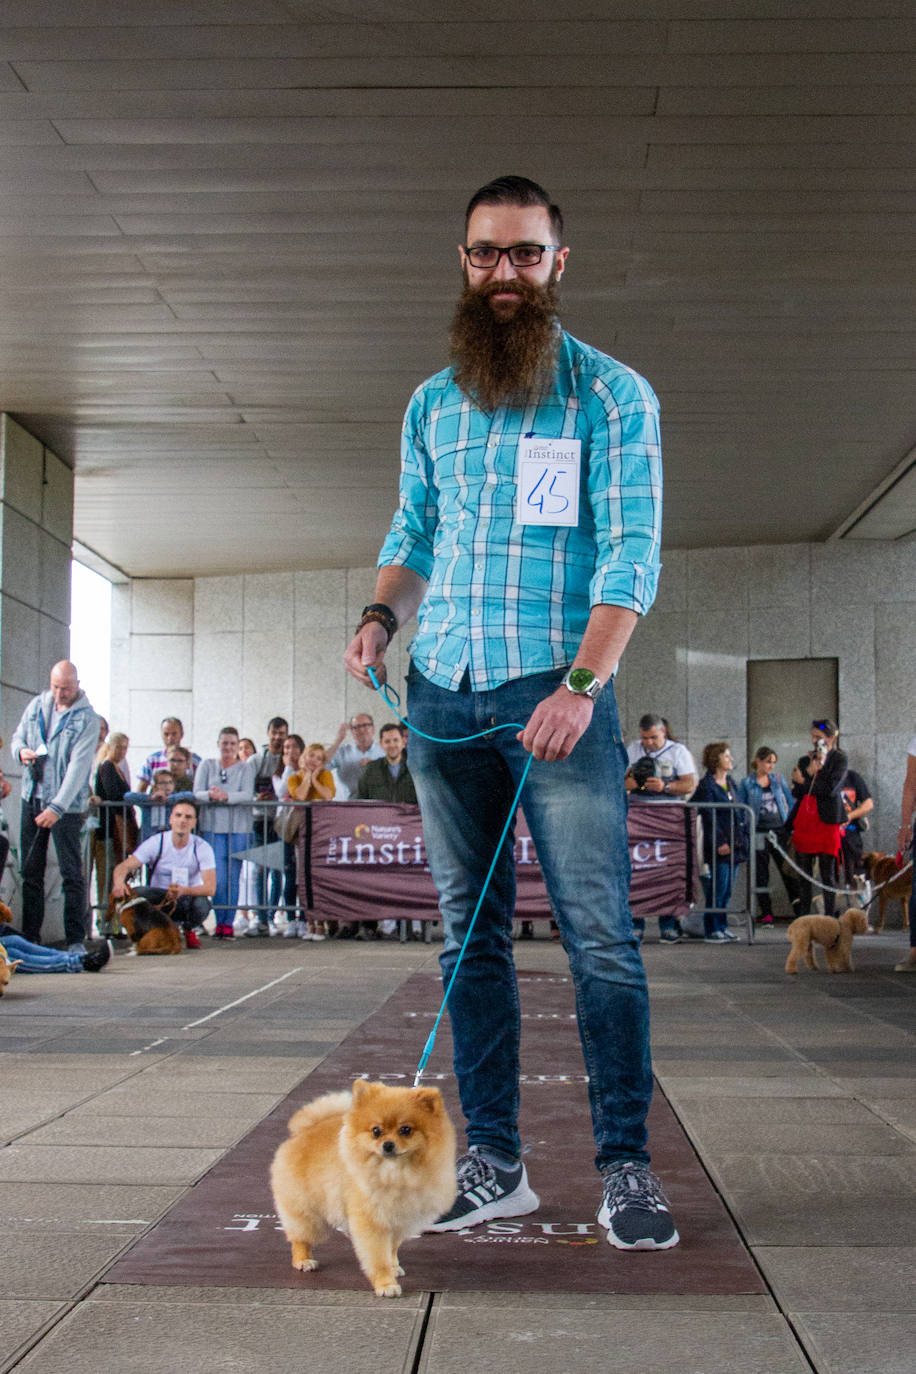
(238, 1001)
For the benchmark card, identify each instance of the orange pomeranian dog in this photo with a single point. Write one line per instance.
(377, 1162)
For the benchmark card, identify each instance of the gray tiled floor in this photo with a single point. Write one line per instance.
(797, 1093)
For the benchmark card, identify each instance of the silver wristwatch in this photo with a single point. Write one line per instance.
(582, 682)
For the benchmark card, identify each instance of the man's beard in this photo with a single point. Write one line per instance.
(510, 360)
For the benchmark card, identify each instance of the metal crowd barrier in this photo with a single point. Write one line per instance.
(276, 860)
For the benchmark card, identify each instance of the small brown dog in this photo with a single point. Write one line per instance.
(881, 869)
(7, 967)
(151, 930)
(377, 1163)
(834, 933)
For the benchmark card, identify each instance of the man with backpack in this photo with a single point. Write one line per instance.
(182, 867)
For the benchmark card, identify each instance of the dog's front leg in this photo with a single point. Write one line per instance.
(377, 1255)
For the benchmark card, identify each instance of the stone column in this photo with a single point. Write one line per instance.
(36, 529)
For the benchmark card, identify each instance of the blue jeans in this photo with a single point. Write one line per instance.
(576, 812)
(228, 872)
(717, 887)
(37, 959)
(33, 846)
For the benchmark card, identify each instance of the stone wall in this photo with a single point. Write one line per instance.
(237, 650)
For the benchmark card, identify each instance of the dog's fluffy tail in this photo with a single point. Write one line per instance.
(332, 1104)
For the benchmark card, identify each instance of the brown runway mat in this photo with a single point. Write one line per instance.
(224, 1231)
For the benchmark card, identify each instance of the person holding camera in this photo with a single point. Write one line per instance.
(659, 766)
(56, 740)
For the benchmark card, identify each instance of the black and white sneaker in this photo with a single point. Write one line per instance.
(487, 1191)
(634, 1210)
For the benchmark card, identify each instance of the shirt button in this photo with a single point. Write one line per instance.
(477, 567)
(491, 443)
(475, 612)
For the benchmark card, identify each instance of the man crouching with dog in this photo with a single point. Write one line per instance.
(182, 872)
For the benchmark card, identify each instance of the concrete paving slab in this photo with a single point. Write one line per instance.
(802, 1084)
(728, 1111)
(79, 1164)
(185, 1071)
(137, 1100)
(40, 1264)
(613, 1302)
(581, 1342)
(233, 1297)
(859, 1342)
(115, 1132)
(884, 1085)
(21, 1322)
(258, 1338)
(877, 1278)
(93, 1207)
(839, 1138)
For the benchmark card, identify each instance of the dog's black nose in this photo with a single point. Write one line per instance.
(389, 1147)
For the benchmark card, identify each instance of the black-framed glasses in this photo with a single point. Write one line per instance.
(519, 254)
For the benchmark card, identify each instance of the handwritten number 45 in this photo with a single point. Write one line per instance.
(540, 495)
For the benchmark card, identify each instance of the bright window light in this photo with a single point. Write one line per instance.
(90, 635)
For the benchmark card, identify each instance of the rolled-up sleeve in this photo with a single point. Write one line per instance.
(625, 491)
(409, 542)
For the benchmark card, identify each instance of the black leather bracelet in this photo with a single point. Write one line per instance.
(382, 615)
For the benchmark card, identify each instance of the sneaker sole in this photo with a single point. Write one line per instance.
(517, 1204)
(647, 1243)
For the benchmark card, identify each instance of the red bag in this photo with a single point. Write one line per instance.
(810, 834)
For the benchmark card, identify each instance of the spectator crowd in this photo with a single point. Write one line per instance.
(220, 832)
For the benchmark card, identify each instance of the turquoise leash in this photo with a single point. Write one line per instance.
(391, 698)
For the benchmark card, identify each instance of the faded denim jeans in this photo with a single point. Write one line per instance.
(576, 812)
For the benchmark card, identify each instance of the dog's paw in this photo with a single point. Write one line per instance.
(388, 1290)
(305, 1266)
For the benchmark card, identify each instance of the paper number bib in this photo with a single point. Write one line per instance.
(547, 481)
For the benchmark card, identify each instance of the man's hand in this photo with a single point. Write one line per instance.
(173, 892)
(47, 818)
(654, 785)
(27, 755)
(367, 650)
(557, 724)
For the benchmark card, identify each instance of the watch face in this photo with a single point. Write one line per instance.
(580, 679)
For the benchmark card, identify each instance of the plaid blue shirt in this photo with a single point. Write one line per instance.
(506, 600)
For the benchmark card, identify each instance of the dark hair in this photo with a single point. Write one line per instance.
(277, 723)
(713, 752)
(171, 720)
(826, 726)
(516, 191)
(187, 801)
(386, 729)
(764, 752)
(228, 730)
(650, 721)
(297, 739)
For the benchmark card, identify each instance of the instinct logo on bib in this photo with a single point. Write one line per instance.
(547, 481)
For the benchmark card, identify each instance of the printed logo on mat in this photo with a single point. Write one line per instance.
(574, 1233)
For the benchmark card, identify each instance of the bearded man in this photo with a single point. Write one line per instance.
(527, 540)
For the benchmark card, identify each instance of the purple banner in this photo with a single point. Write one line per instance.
(366, 861)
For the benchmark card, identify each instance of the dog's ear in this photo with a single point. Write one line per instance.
(359, 1089)
(14, 964)
(6, 916)
(430, 1099)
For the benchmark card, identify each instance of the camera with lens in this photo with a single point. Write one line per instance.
(642, 770)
